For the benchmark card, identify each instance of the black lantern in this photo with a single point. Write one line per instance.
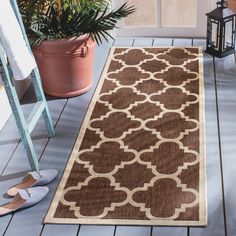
(221, 30)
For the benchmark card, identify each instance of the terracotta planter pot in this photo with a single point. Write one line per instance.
(232, 4)
(66, 66)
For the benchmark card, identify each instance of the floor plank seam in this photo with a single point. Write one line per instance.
(114, 233)
(17, 145)
(49, 138)
(77, 234)
(41, 231)
(151, 230)
(153, 42)
(4, 233)
(133, 42)
(220, 148)
(62, 110)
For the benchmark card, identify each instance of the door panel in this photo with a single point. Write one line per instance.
(145, 14)
(173, 15)
(165, 18)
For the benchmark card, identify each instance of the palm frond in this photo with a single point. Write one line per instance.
(51, 19)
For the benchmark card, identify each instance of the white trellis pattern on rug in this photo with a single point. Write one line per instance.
(139, 158)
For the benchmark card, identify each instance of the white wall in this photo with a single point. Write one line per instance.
(21, 87)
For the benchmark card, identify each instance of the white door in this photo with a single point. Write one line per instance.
(165, 18)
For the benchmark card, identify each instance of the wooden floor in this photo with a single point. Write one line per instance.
(220, 102)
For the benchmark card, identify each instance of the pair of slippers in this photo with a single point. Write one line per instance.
(28, 193)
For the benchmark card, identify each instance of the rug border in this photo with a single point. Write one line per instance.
(202, 191)
(203, 177)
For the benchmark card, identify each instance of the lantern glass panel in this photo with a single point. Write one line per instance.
(214, 40)
(229, 35)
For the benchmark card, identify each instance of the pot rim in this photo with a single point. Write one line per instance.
(83, 37)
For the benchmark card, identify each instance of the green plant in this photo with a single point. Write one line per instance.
(58, 19)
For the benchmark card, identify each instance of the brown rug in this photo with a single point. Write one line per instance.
(139, 157)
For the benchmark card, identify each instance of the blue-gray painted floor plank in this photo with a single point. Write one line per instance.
(182, 42)
(18, 165)
(94, 230)
(162, 42)
(39, 135)
(59, 230)
(226, 83)
(29, 221)
(169, 231)
(9, 140)
(142, 42)
(123, 41)
(19, 161)
(199, 43)
(214, 190)
(133, 231)
(55, 156)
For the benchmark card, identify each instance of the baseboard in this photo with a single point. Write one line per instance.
(5, 108)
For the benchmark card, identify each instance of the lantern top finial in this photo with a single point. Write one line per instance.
(222, 11)
(222, 4)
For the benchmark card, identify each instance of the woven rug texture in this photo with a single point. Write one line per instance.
(139, 158)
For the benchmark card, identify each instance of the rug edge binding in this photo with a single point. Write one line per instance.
(125, 222)
(203, 177)
(55, 200)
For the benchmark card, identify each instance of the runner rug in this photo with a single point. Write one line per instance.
(139, 157)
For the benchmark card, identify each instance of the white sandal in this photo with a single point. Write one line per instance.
(33, 179)
(24, 198)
